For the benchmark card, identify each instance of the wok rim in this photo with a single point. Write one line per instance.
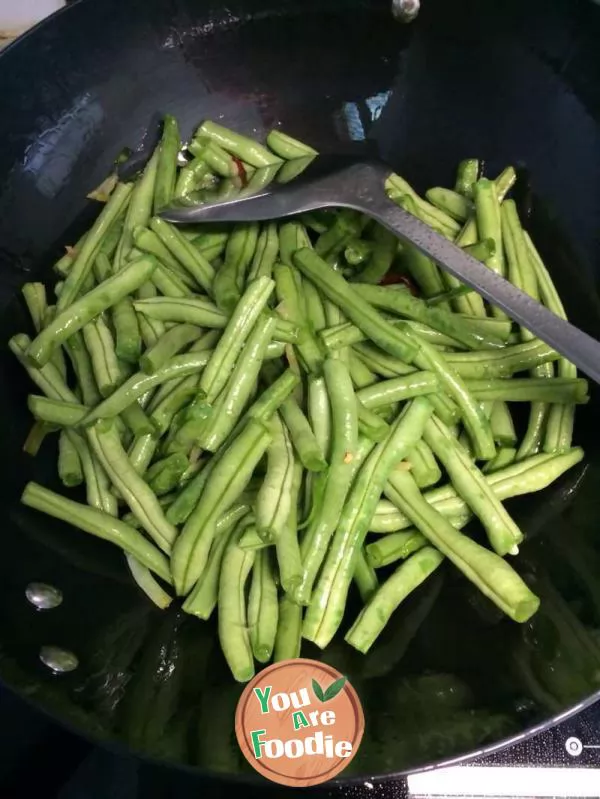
(119, 747)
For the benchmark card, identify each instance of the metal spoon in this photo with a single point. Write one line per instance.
(343, 181)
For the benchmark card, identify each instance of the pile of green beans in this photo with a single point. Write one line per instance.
(268, 417)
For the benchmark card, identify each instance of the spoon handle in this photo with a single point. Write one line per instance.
(577, 346)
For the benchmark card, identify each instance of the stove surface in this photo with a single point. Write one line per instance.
(35, 753)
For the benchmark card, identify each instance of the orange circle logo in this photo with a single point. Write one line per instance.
(299, 722)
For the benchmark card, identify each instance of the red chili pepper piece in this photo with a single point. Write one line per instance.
(241, 170)
(393, 278)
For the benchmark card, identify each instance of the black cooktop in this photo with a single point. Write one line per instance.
(36, 754)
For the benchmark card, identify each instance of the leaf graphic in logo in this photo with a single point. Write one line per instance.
(318, 691)
(334, 689)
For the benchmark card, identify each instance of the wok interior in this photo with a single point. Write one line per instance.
(510, 85)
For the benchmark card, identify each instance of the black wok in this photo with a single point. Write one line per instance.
(514, 82)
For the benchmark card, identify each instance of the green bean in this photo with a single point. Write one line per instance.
(319, 413)
(346, 334)
(315, 307)
(559, 426)
(304, 441)
(211, 243)
(260, 178)
(233, 625)
(287, 546)
(292, 237)
(522, 273)
(137, 421)
(168, 283)
(142, 451)
(56, 412)
(252, 540)
(371, 424)
(358, 251)
(380, 362)
(381, 258)
(147, 241)
(242, 147)
(48, 378)
(139, 210)
(466, 175)
(193, 174)
(469, 233)
(423, 466)
(166, 173)
(325, 612)
(151, 331)
(421, 268)
(243, 318)
(88, 307)
(395, 546)
(34, 295)
(398, 389)
(473, 303)
(347, 454)
(265, 253)
(128, 344)
(488, 571)
(203, 313)
(561, 390)
(230, 278)
(192, 310)
(487, 209)
(401, 301)
(231, 402)
(69, 465)
(224, 484)
(395, 185)
(101, 348)
(474, 420)
(504, 457)
(263, 608)
(187, 426)
(130, 519)
(82, 264)
(218, 160)
(273, 503)
(145, 581)
(523, 477)
(370, 321)
(97, 485)
(187, 499)
(365, 578)
(36, 437)
(504, 362)
(503, 534)
(451, 202)
(503, 428)
(164, 475)
(407, 577)
(288, 642)
(273, 396)
(318, 221)
(184, 251)
(286, 147)
(107, 447)
(65, 262)
(173, 341)
(138, 384)
(202, 601)
(360, 372)
(100, 524)
(291, 307)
